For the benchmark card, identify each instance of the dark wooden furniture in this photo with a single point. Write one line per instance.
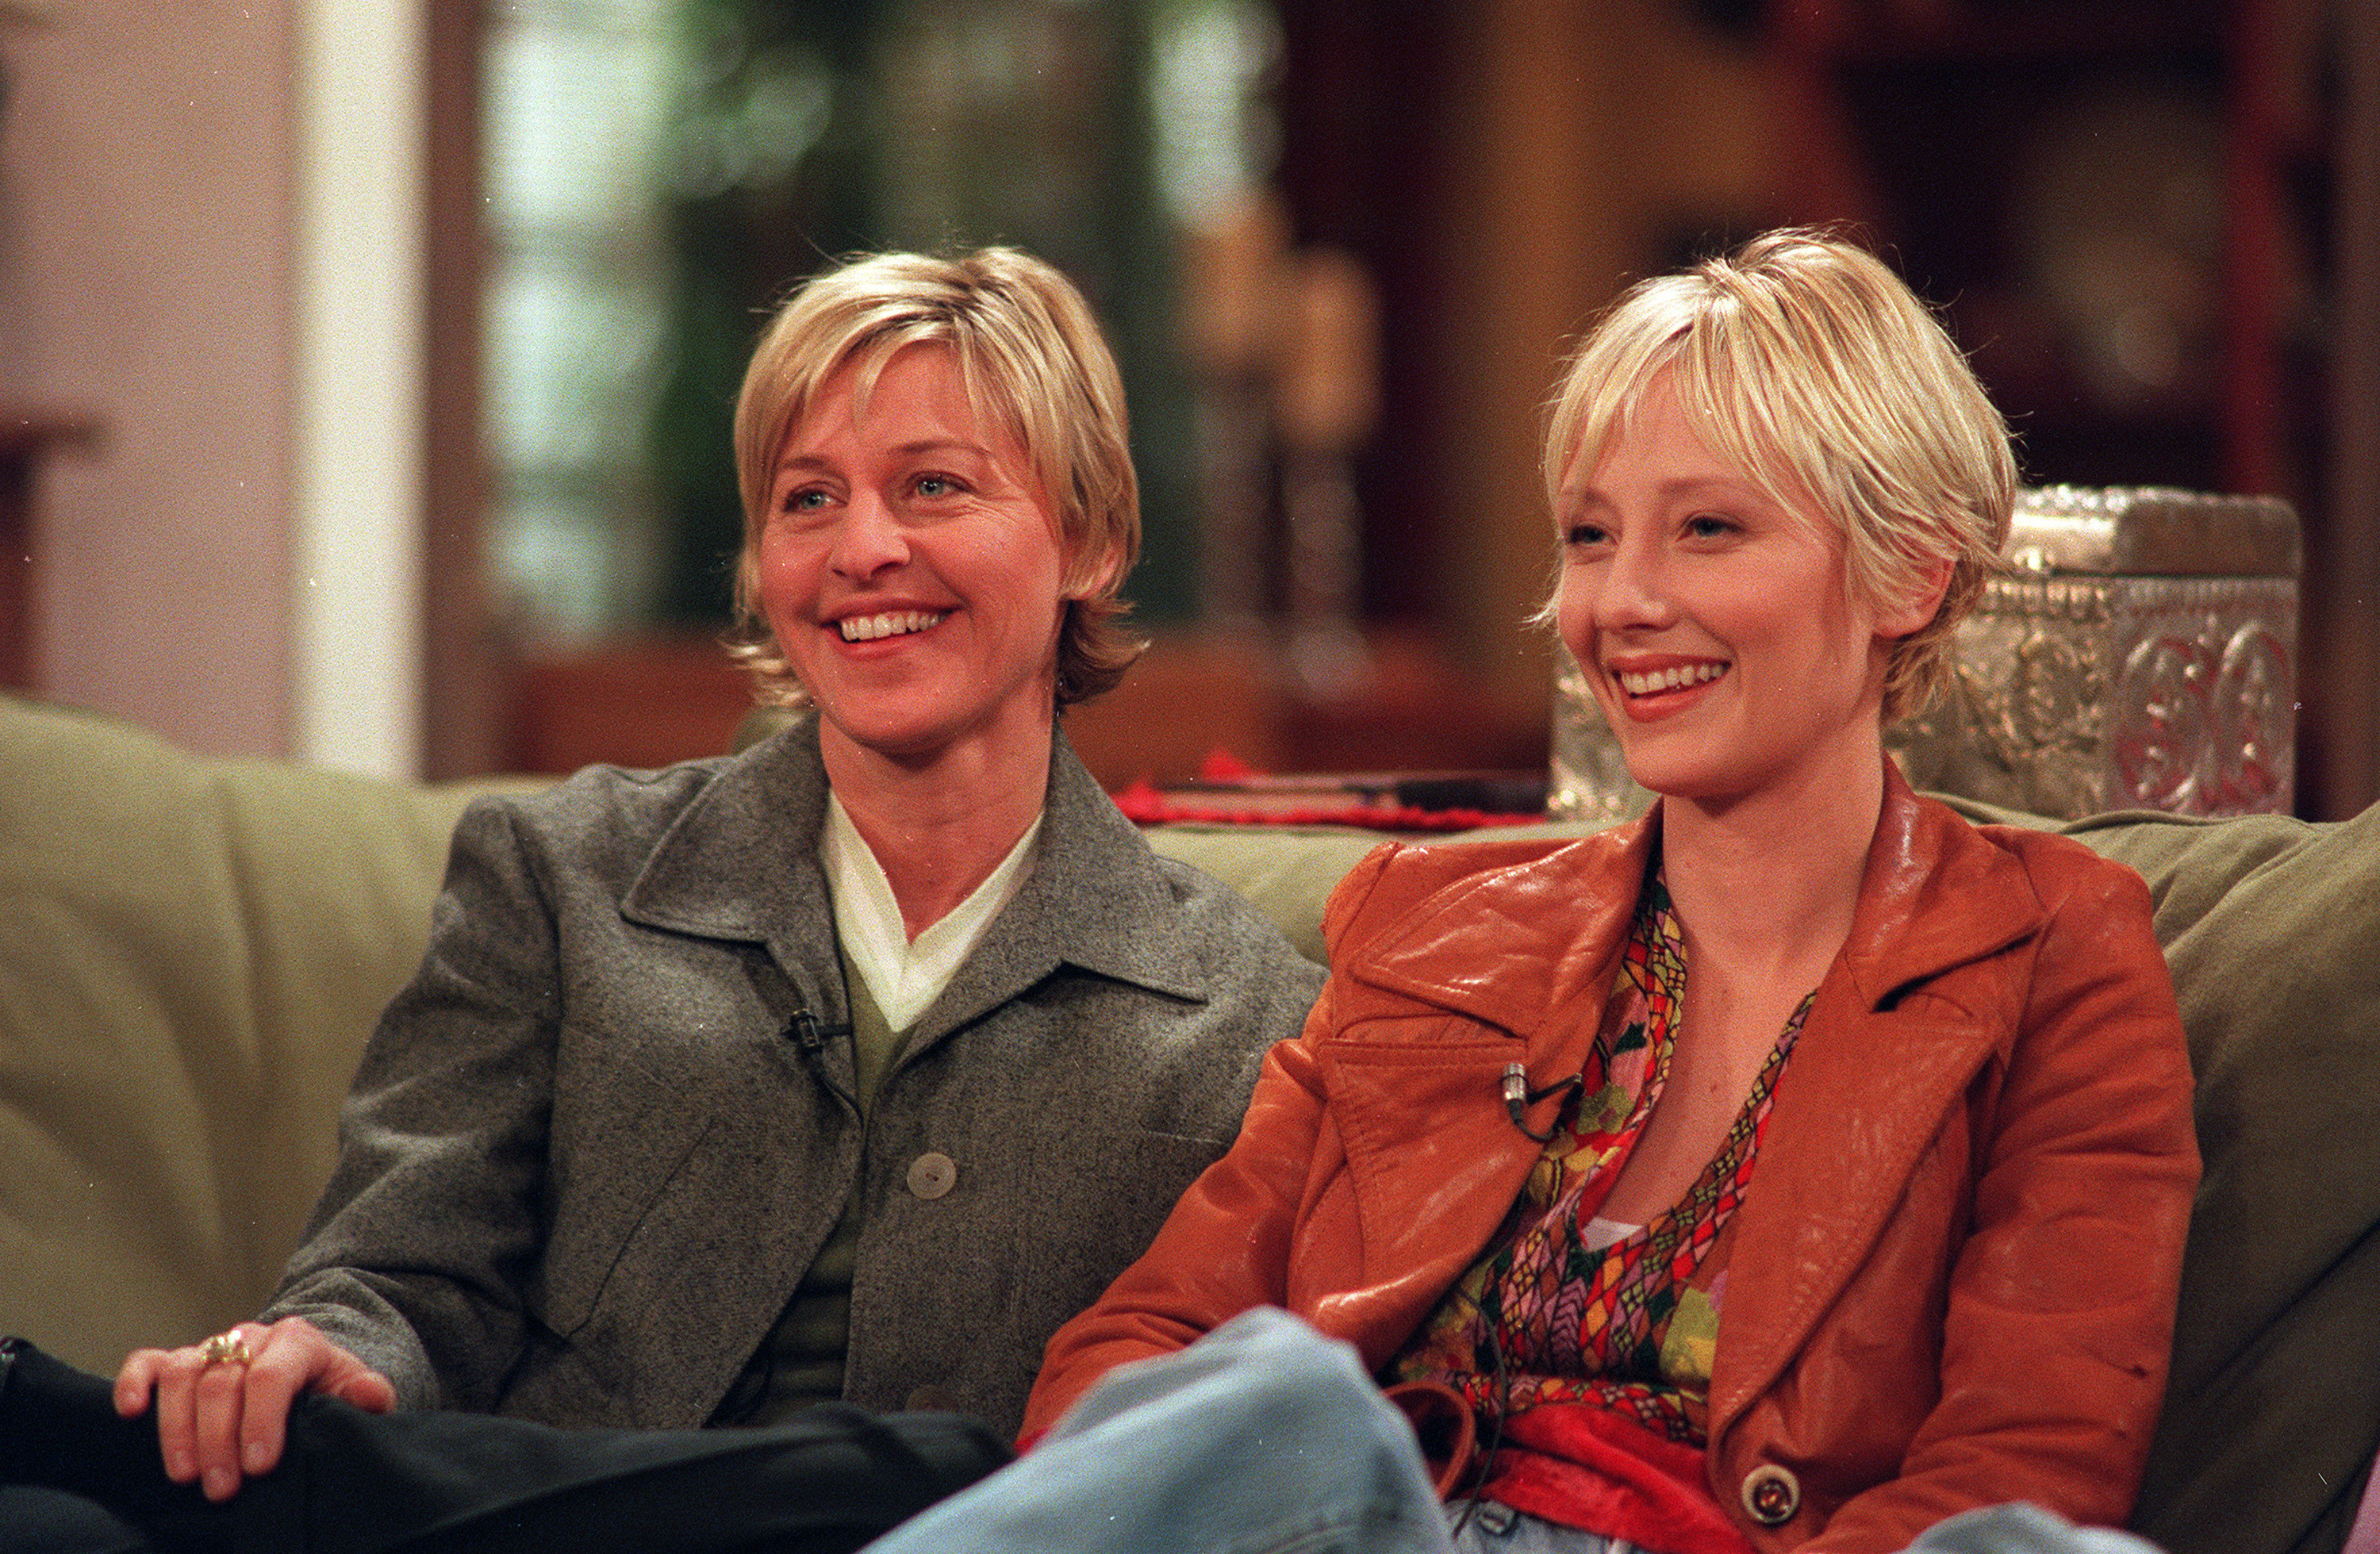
(27, 436)
(656, 700)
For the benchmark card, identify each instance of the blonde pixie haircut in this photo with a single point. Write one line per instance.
(1031, 354)
(1808, 364)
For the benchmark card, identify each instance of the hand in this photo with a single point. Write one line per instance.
(222, 1419)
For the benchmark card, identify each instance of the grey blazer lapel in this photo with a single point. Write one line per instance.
(741, 864)
(1096, 898)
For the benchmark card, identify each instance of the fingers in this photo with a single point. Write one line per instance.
(195, 1390)
(366, 1389)
(291, 1356)
(223, 1406)
(218, 1390)
(135, 1380)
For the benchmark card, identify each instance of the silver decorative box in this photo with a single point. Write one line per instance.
(1590, 779)
(2140, 653)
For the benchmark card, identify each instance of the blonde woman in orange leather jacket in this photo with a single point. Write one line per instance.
(1901, 1105)
(1952, 1281)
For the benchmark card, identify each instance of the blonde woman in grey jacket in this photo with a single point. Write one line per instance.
(839, 1072)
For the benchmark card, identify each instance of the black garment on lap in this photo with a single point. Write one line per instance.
(830, 1479)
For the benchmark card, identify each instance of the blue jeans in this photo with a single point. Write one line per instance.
(1265, 1438)
(1262, 1437)
(2022, 1529)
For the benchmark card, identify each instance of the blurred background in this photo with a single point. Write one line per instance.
(366, 369)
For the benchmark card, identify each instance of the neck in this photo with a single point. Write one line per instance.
(939, 828)
(1769, 882)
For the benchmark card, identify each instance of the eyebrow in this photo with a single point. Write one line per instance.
(1671, 490)
(919, 448)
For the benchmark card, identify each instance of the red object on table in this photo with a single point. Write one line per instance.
(1230, 792)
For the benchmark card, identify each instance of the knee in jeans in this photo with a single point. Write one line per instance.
(1292, 1373)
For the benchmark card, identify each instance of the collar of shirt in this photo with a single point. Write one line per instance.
(905, 975)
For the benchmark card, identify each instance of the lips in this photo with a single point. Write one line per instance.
(890, 623)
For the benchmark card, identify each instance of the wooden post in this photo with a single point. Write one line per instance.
(25, 437)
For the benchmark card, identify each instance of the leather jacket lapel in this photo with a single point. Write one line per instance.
(1511, 965)
(1523, 948)
(1872, 1079)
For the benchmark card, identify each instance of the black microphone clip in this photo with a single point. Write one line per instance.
(1518, 1097)
(805, 1032)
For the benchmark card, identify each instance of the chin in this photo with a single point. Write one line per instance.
(893, 738)
(1684, 778)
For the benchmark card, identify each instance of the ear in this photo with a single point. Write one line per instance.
(1914, 616)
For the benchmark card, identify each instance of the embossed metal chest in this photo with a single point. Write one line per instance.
(2141, 653)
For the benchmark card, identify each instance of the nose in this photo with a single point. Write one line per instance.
(1632, 589)
(869, 540)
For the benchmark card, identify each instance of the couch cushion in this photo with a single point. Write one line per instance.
(2272, 927)
(1288, 871)
(191, 953)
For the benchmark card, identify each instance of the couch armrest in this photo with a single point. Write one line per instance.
(191, 954)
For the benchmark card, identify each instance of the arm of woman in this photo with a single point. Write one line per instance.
(431, 1210)
(416, 1254)
(2060, 1309)
(403, 1290)
(1223, 1249)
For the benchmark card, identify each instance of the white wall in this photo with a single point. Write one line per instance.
(356, 580)
(248, 335)
(145, 163)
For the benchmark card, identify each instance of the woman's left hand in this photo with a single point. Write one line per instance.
(223, 1406)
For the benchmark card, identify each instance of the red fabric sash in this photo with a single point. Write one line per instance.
(1587, 1467)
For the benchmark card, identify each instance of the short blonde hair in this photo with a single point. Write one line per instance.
(1030, 352)
(1806, 362)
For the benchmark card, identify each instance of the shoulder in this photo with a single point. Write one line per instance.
(1931, 866)
(1103, 899)
(2081, 960)
(1111, 903)
(604, 820)
(611, 820)
(1225, 928)
(606, 798)
(2064, 874)
(1525, 878)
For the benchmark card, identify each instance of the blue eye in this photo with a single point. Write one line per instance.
(931, 486)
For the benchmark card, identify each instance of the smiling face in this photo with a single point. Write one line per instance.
(1715, 624)
(909, 570)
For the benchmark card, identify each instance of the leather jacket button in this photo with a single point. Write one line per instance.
(932, 1174)
(1771, 1495)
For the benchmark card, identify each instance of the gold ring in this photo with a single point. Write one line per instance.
(229, 1348)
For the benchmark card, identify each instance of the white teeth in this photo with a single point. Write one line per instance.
(868, 628)
(1645, 682)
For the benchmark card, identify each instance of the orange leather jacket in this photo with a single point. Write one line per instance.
(1954, 1275)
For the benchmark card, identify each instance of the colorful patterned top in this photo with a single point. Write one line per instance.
(1628, 1328)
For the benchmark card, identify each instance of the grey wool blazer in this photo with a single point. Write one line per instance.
(597, 1141)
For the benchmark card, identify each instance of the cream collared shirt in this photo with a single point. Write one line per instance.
(904, 974)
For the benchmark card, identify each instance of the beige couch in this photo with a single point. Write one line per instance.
(193, 951)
